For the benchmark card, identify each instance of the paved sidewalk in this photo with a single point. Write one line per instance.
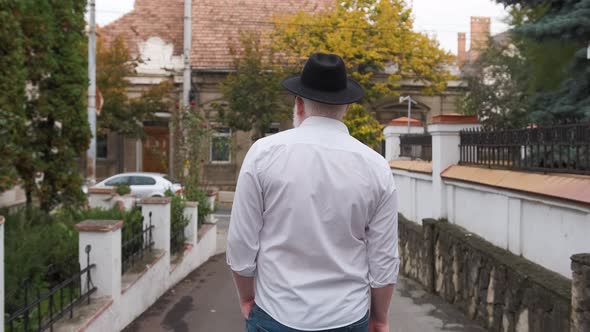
(206, 301)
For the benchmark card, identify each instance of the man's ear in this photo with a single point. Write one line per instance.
(346, 111)
(300, 107)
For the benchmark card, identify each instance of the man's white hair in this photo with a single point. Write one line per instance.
(314, 108)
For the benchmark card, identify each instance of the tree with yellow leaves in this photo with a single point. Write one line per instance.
(370, 35)
(120, 113)
(376, 39)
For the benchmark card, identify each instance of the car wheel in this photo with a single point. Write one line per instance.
(159, 196)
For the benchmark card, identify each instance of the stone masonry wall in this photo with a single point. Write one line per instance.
(417, 255)
(504, 292)
(581, 293)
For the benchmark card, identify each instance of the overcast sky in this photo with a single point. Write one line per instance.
(440, 18)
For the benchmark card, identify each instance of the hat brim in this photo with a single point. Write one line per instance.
(352, 94)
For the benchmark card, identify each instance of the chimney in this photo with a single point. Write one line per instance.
(480, 34)
(461, 50)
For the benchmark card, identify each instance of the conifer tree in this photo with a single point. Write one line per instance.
(57, 131)
(12, 91)
(562, 21)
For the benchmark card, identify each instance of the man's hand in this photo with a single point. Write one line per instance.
(246, 308)
(375, 326)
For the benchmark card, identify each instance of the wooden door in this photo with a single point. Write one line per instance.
(156, 149)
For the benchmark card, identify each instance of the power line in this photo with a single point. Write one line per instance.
(310, 25)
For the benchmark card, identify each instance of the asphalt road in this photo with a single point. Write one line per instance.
(206, 301)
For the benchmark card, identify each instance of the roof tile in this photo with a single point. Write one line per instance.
(217, 25)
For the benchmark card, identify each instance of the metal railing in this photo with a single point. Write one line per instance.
(177, 240)
(137, 241)
(561, 149)
(416, 146)
(45, 310)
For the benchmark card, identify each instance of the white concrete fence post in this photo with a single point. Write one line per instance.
(212, 198)
(191, 213)
(104, 239)
(2, 273)
(445, 131)
(101, 198)
(157, 209)
(393, 131)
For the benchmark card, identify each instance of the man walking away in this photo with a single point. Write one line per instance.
(313, 234)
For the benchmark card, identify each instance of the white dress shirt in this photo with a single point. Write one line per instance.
(314, 219)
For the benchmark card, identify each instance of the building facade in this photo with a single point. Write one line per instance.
(154, 32)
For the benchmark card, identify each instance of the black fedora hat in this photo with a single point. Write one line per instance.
(324, 80)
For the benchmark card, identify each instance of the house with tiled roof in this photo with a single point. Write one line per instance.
(154, 32)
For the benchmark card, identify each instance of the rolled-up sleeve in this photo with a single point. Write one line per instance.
(246, 219)
(382, 240)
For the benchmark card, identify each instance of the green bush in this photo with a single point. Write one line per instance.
(199, 196)
(123, 189)
(178, 221)
(132, 220)
(35, 240)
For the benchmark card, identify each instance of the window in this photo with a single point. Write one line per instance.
(120, 180)
(142, 181)
(220, 146)
(168, 178)
(102, 146)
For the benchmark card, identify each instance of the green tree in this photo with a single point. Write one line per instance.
(252, 94)
(498, 87)
(190, 135)
(56, 131)
(562, 21)
(12, 87)
(511, 72)
(120, 113)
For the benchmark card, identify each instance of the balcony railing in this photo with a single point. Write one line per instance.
(561, 149)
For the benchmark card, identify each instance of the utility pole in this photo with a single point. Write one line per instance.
(91, 153)
(410, 102)
(186, 87)
(186, 82)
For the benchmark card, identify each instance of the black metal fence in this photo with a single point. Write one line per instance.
(41, 311)
(564, 148)
(137, 241)
(177, 239)
(416, 146)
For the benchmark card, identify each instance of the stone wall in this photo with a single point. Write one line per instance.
(417, 253)
(581, 293)
(502, 291)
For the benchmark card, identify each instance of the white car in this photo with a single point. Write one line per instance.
(143, 184)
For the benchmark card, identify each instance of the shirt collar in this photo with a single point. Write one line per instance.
(326, 123)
